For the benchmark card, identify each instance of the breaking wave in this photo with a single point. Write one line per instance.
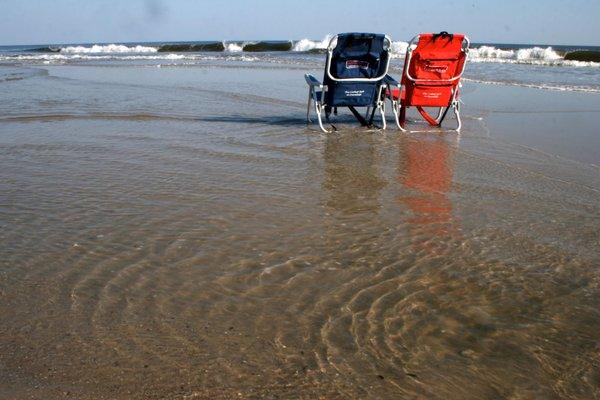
(268, 46)
(64, 58)
(48, 49)
(529, 54)
(307, 45)
(533, 56)
(191, 47)
(234, 47)
(108, 49)
(583, 55)
(398, 49)
(253, 47)
(536, 55)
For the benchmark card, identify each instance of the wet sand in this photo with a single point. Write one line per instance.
(167, 236)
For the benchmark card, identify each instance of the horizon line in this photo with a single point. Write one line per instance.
(266, 40)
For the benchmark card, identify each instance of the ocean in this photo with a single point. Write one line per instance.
(541, 65)
(172, 228)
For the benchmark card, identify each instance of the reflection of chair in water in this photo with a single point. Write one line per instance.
(426, 170)
(352, 178)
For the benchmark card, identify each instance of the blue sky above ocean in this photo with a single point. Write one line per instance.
(510, 21)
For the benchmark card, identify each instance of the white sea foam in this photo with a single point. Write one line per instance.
(532, 55)
(65, 58)
(108, 49)
(482, 54)
(398, 49)
(234, 47)
(308, 45)
(490, 53)
(538, 53)
(545, 56)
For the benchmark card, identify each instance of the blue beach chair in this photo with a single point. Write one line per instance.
(355, 76)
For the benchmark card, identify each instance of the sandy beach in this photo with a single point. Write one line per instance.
(179, 232)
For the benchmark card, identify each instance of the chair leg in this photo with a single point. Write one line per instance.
(439, 116)
(396, 110)
(395, 104)
(312, 98)
(318, 110)
(444, 114)
(381, 108)
(308, 105)
(402, 118)
(456, 107)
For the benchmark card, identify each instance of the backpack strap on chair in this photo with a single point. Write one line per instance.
(443, 34)
(432, 121)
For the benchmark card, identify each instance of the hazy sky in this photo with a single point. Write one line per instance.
(508, 21)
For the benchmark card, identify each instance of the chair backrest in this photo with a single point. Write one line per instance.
(433, 68)
(358, 55)
(356, 65)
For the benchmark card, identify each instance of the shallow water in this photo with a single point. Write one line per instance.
(168, 235)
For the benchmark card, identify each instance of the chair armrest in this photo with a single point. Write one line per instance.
(312, 81)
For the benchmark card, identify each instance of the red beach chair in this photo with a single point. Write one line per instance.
(433, 67)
